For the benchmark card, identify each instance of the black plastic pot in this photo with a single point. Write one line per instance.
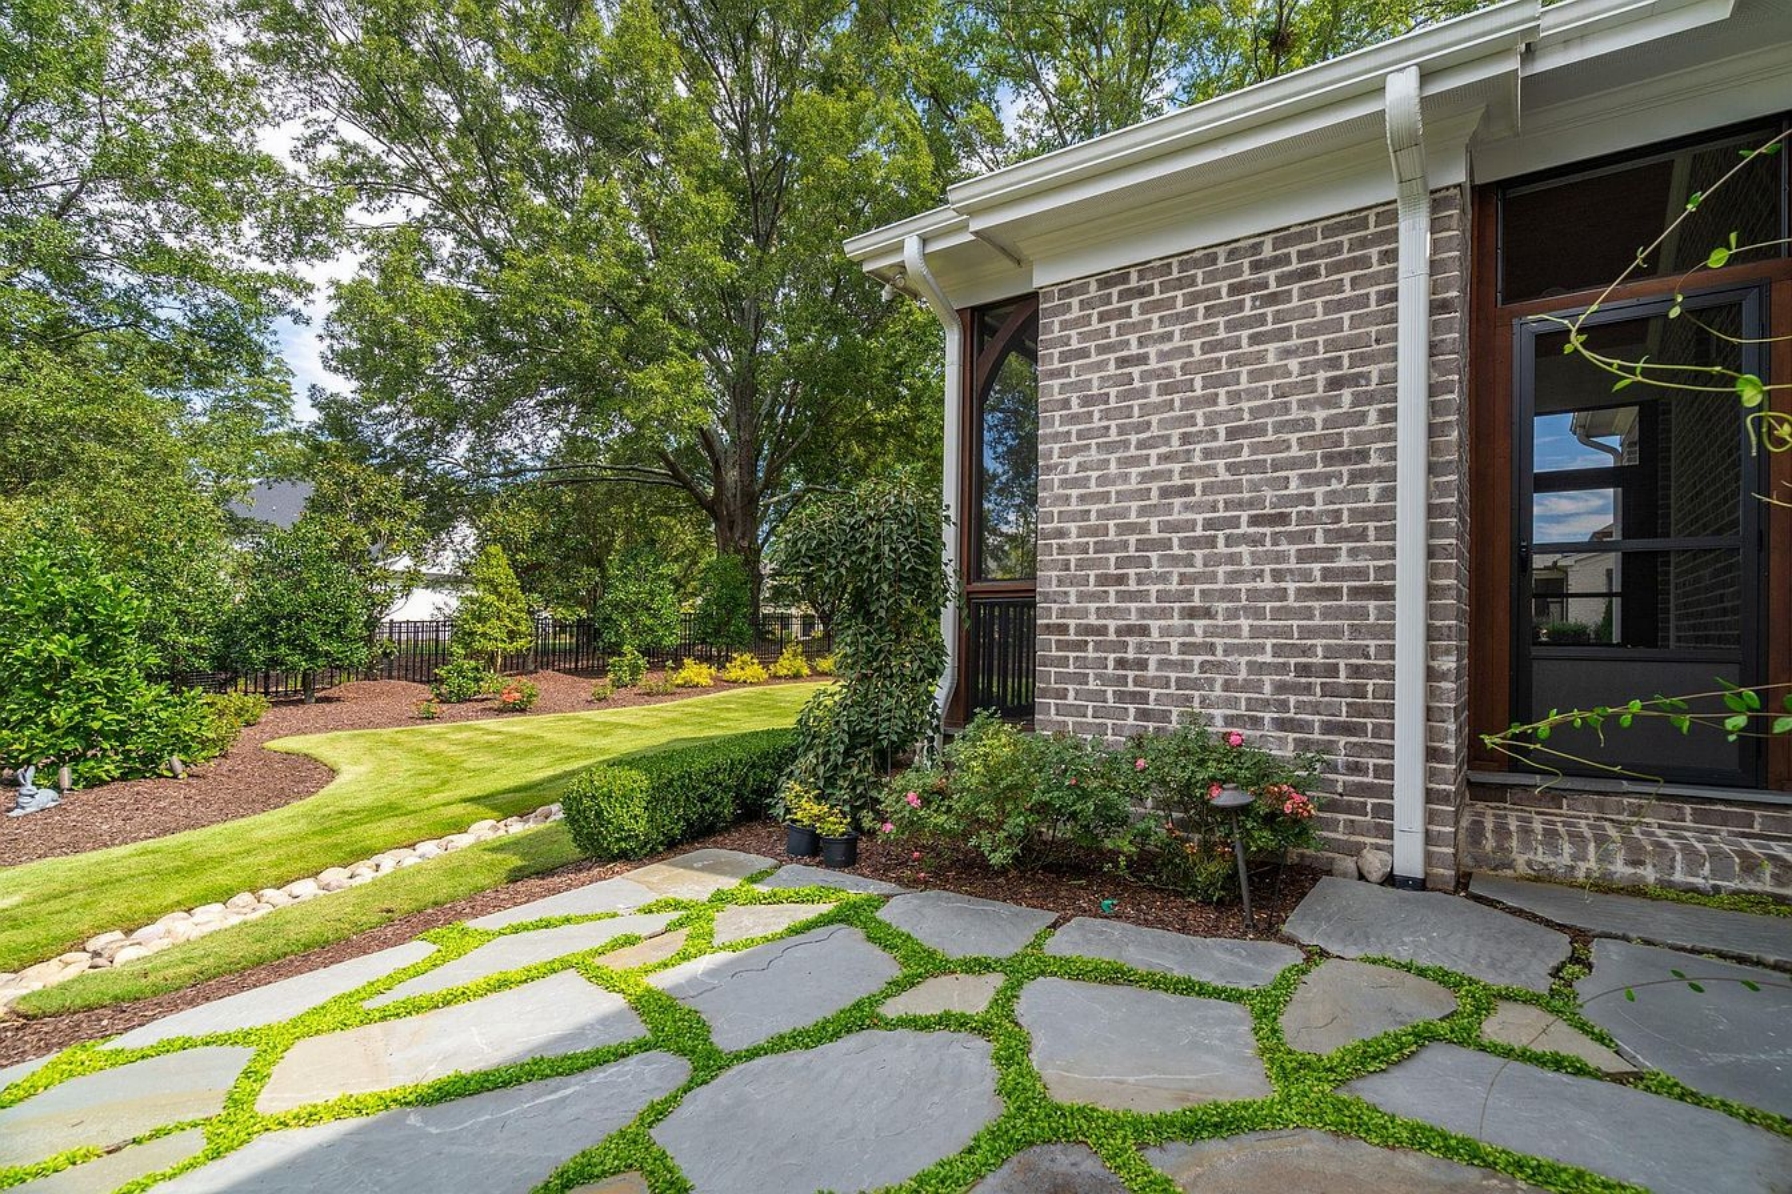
(803, 842)
(839, 852)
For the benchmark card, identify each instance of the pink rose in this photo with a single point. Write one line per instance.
(1235, 739)
(1138, 764)
(1213, 791)
(889, 828)
(1072, 781)
(915, 857)
(914, 799)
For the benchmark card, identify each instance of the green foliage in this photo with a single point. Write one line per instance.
(745, 669)
(628, 669)
(725, 604)
(428, 709)
(462, 680)
(790, 664)
(804, 807)
(639, 607)
(303, 608)
(876, 552)
(654, 801)
(1013, 796)
(1563, 633)
(492, 621)
(72, 672)
(603, 690)
(658, 688)
(824, 664)
(230, 713)
(517, 695)
(692, 673)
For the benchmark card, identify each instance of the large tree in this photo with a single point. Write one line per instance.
(603, 242)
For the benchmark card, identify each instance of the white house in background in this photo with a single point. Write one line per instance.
(1259, 409)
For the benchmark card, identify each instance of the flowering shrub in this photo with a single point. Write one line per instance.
(1013, 796)
(518, 695)
(744, 669)
(693, 673)
(791, 664)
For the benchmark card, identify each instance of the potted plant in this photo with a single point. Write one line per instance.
(803, 807)
(839, 844)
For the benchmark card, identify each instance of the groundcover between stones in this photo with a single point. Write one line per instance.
(1304, 1088)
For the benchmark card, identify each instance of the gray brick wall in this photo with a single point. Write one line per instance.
(1216, 506)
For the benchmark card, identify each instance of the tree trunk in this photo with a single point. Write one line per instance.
(308, 681)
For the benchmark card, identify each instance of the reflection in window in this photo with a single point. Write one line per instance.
(1008, 446)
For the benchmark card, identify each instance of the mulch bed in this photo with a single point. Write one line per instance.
(1069, 894)
(249, 780)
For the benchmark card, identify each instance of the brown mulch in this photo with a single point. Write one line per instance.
(249, 780)
(1067, 894)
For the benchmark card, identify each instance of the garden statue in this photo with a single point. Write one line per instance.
(31, 798)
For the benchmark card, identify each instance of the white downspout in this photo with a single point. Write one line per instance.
(1406, 145)
(914, 260)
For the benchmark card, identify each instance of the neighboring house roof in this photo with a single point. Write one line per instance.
(1532, 85)
(275, 503)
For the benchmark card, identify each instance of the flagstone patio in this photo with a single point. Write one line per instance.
(787, 1032)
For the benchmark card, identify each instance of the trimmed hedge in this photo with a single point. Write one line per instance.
(655, 801)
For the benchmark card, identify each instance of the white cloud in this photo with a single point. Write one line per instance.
(1570, 517)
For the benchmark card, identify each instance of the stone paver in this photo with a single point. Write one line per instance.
(518, 950)
(1357, 920)
(754, 995)
(1662, 922)
(1300, 1160)
(1210, 959)
(795, 1123)
(115, 1169)
(968, 993)
(962, 926)
(606, 895)
(799, 874)
(745, 921)
(120, 1104)
(1343, 1002)
(645, 953)
(277, 1001)
(1529, 1027)
(1130, 1049)
(13, 1073)
(1052, 1169)
(508, 1141)
(1724, 1040)
(559, 1014)
(696, 875)
(1663, 1145)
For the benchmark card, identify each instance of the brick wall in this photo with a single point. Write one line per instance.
(1661, 840)
(1216, 506)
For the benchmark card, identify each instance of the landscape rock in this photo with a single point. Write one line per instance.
(695, 876)
(1052, 1169)
(1526, 1026)
(966, 993)
(458, 841)
(645, 953)
(1374, 865)
(740, 922)
(1210, 959)
(241, 902)
(332, 879)
(1130, 1049)
(797, 1121)
(962, 926)
(98, 944)
(1301, 1159)
(1341, 1003)
(551, 1016)
(130, 953)
(273, 897)
(303, 889)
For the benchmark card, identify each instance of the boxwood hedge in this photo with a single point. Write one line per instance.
(651, 802)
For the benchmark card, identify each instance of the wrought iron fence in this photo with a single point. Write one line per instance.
(999, 672)
(413, 650)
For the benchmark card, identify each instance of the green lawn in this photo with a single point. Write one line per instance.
(392, 787)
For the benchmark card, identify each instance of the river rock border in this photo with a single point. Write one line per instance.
(119, 946)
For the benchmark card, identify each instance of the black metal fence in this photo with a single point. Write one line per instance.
(413, 650)
(999, 670)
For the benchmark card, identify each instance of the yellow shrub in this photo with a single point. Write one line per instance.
(693, 673)
(744, 669)
(791, 664)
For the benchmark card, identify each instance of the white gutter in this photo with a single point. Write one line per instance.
(914, 260)
(1412, 381)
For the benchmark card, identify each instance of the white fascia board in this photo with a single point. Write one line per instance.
(881, 248)
(1571, 33)
(1352, 82)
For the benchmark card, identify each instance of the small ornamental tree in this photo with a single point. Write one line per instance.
(303, 609)
(725, 604)
(492, 621)
(73, 664)
(876, 555)
(639, 607)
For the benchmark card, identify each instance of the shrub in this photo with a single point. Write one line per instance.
(518, 695)
(693, 673)
(428, 709)
(229, 713)
(304, 608)
(744, 669)
(791, 665)
(492, 621)
(1013, 796)
(628, 668)
(603, 690)
(462, 680)
(72, 671)
(824, 664)
(660, 686)
(724, 616)
(1185, 843)
(654, 801)
(804, 807)
(639, 607)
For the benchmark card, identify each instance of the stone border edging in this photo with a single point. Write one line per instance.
(119, 946)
